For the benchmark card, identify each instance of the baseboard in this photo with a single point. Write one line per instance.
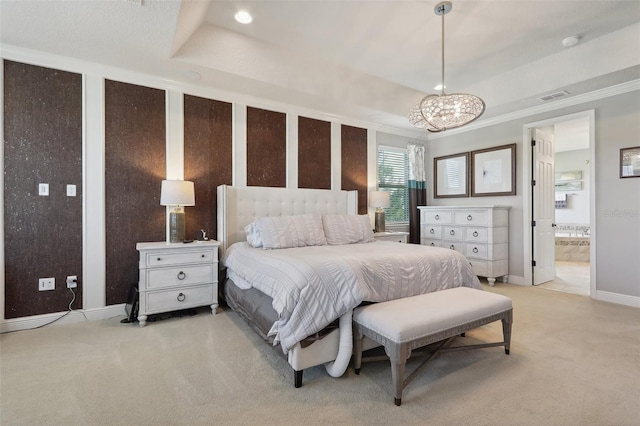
(28, 323)
(620, 299)
(515, 279)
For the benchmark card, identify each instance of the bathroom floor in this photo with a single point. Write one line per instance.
(571, 277)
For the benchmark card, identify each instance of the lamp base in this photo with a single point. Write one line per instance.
(176, 226)
(379, 221)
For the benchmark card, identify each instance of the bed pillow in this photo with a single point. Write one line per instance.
(253, 235)
(279, 232)
(347, 229)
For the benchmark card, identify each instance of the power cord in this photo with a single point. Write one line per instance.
(73, 299)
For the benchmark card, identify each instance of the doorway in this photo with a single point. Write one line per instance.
(559, 203)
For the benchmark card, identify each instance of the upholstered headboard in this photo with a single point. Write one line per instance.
(237, 207)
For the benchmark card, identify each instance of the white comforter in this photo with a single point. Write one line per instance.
(313, 286)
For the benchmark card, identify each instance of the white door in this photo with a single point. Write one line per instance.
(544, 209)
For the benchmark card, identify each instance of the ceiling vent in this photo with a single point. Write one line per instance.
(553, 96)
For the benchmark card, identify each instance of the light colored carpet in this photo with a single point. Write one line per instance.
(574, 361)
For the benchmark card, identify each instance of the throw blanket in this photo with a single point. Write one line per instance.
(313, 286)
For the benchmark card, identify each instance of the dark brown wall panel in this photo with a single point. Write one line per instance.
(354, 163)
(207, 158)
(266, 148)
(135, 163)
(42, 144)
(314, 153)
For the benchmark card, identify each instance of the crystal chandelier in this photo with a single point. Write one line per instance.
(436, 113)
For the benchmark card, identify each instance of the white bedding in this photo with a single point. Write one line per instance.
(312, 286)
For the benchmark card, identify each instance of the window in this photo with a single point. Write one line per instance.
(393, 169)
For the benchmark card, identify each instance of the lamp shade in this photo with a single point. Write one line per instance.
(379, 199)
(177, 193)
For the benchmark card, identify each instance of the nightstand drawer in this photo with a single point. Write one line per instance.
(182, 275)
(170, 258)
(182, 298)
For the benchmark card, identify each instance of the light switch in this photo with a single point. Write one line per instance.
(43, 189)
(71, 190)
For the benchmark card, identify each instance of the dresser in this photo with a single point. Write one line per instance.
(176, 276)
(480, 233)
(395, 236)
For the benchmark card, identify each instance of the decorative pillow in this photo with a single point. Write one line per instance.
(291, 231)
(253, 235)
(347, 229)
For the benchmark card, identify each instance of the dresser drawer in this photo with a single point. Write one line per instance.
(181, 298)
(454, 245)
(477, 251)
(429, 231)
(170, 258)
(430, 242)
(436, 217)
(474, 217)
(480, 267)
(477, 234)
(180, 275)
(453, 233)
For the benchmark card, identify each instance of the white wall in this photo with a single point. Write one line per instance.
(577, 210)
(617, 218)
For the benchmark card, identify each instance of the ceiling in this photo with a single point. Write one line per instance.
(367, 60)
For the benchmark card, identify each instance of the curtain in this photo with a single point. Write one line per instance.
(417, 189)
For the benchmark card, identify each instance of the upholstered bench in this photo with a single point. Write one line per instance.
(402, 325)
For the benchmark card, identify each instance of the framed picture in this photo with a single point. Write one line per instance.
(493, 171)
(450, 177)
(630, 162)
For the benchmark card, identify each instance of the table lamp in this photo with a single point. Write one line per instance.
(176, 194)
(379, 200)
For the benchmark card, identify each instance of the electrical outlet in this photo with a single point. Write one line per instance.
(43, 189)
(72, 281)
(46, 284)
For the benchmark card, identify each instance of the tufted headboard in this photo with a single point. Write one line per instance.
(237, 207)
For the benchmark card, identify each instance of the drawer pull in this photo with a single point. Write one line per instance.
(469, 217)
(159, 259)
(475, 233)
(475, 249)
(432, 231)
(437, 217)
(452, 232)
(181, 297)
(433, 245)
(203, 256)
(181, 276)
(452, 247)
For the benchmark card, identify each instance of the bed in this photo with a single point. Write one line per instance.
(300, 297)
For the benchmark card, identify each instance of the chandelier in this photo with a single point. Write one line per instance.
(437, 113)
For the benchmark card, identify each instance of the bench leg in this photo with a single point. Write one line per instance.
(297, 378)
(397, 376)
(506, 332)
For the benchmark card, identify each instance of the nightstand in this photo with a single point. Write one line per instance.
(176, 276)
(399, 237)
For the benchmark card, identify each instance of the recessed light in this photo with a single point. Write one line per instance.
(571, 41)
(243, 17)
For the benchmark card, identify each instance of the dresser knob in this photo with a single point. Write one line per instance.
(469, 217)
(452, 232)
(181, 297)
(433, 245)
(202, 256)
(437, 217)
(432, 231)
(452, 247)
(181, 275)
(475, 249)
(475, 233)
(159, 259)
